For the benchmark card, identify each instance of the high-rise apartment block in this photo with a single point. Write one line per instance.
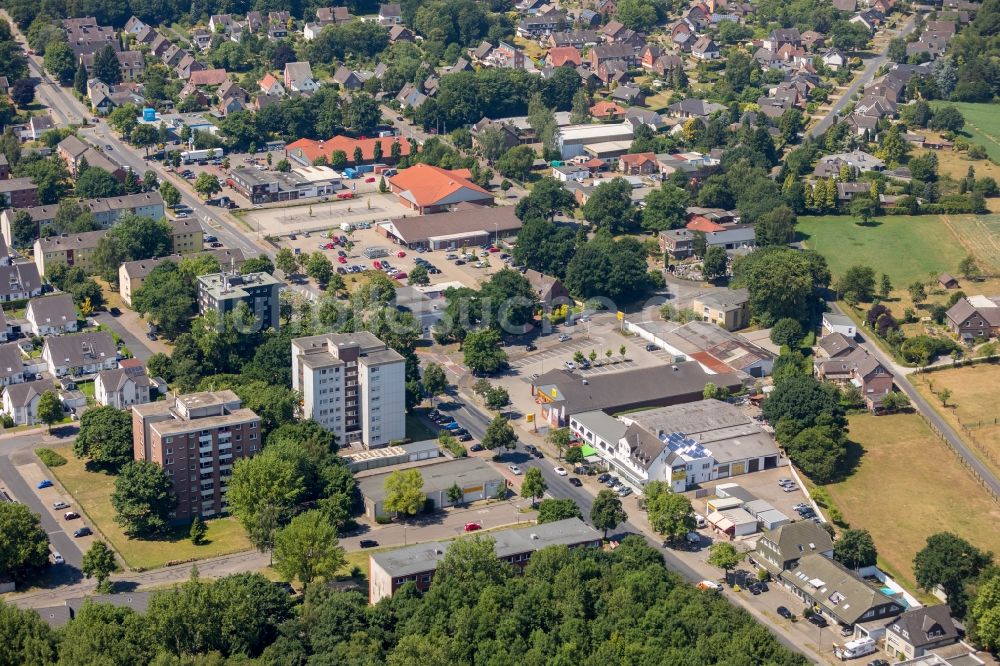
(353, 385)
(224, 292)
(196, 438)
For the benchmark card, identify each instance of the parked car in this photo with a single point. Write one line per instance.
(216, 244)
(624, 491)
(818, 620)
(472, 527)
(368, 543)
(460, 262)
(573, 481)
(114, 312)
(476, 447)
(530, 347)
(60, 505)
(341, 270)
(564, 338)
(44, 483)
(399, 275)
(602, 478)
(651, 347)
(433, 414)
(514, 469)
(57, 558)
(561, 471)
(784, 612)
(612, 482)
(465, 437)
(785, 482)
(400, 254)
(709, 586)
(452, 426)
(82, 532)
(71, 515)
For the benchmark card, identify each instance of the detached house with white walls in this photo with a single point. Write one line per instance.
(80, 354)
(51, 315)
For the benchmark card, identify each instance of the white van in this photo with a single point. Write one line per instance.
(699, 520)
(56, 558)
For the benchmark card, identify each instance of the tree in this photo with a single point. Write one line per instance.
(917, 292)
(724, 555)
(951, 562)
(207, 184)
(59, 62)
(80, 79)
(25, 545)
(105, 437)
(320, 268)
(947, 119)
(534, 485)
(884, 287)
(499, 434)
(665, 208)
(482, 352)
(259, 264)
(670, 514)
(286, 261)
(610, 206)
(559, 438)
(143, 499)
(775, 228)
(95, 183)
(404, 492)
(434, 380)
(969, 268)
(50, 410)
(171, 196)
(455, 493)
(263, 492)
(858, 284)
(802, 402)
(106, 66)
(855, 549)
(168, 296)
(608, 268)
(23, 92)
(715, 264)
(546, 197)
(552, 510)
(895, 402)
(308, 549)
(606, 513)
(99, 562)
(781, 282)
(23, 229)
(984, 614)
(419, 276)
(497, 398)
(516, 162)
(117, 635)
(198, 531)
(787, 332)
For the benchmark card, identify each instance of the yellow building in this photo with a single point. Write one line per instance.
(68, 249)
(726, 308)
(186, 236)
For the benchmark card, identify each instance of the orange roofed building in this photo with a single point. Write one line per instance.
(430, 189)
(703, 224)
(307, 151)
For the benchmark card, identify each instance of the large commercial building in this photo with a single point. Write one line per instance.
(353, 385)
(417, 564)
(267, 187)
(467, 225)
(224, 292)
(573, 139)
(475, 478)
(196, 438)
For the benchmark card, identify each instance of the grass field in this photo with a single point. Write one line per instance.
(972, 402)
(917, 245)
(979, 236)
(908, 486)
(92, 493)
(982, 123)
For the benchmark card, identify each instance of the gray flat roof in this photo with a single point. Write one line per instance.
(604, 426)
(437, 477)
(425, 557)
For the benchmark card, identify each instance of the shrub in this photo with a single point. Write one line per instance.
(50, 457)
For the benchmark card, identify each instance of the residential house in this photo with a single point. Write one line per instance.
(916, 632)
(74, 152)
(18, 193)
(270, 85)
(834, 59)
(550, 290)
(79, 354)
(858, 161)
(680, 242)
(347, 79)
(86, 37)
(19, 281)
(209, 77)
(299, 77)
(133, 64)
(187, 66)
(839, 323)
(390, 14)
(508, 133)
(536, 25)
(20, 401)
(66, 249)
(576, 38)
(570, 172)
(781, 36)
(400, 33)
(607, 111)
(635, 116)
(201, 38)
(628, 94)
(337, 15)
(974, 317)
(813, 40)
(232, 98)
(838, 593)
(726, 308)
(123, 387)
(51, 315)
(132, 274)
(694, 108)
(11, 364)
(563, 55)
(705, 48)
(607, 52)
(849, 6)
(781, 549)
(638, 164)
(857, 368)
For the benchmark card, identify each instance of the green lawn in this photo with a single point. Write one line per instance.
(92, 493)
(982, 123)
(417, 430)
(905, 248)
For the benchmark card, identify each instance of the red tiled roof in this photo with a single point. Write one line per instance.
(636, 159)
(711, 362)
(560, 55)
(428, 185)
(311, 150)
(701, 223)
(209, 77)
(602, 109)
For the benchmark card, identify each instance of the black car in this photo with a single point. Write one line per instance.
(368, 543)
(651, 347)
(115, 312)
(476, 447)
(784, 612)
(754, 589)
(878, 662)
(575, 482)
(818, 620)
(460, 262)
(603, 477)
(82, 532)
(151, 336)
(530, 347)
(433, 414)
(465, 438)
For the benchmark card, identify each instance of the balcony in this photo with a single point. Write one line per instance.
(206, 493)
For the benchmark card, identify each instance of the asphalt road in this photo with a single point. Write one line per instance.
(866, 77)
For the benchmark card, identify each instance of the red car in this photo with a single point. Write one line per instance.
(369, 180)
(329, 246)
(472, 527)
(377, 264)
(400, 254)
(400, 275)
(494, 249)
(344, 195)
(342, 260)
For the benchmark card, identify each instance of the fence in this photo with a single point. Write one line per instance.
(962, 459)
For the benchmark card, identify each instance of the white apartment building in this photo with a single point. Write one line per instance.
(353, 385)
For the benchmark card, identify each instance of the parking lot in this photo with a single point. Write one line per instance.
(33, 475)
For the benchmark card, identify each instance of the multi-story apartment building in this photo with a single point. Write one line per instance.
(196, 438)
(186, 236)
(67, 249)
(224, 292)
(352, 384)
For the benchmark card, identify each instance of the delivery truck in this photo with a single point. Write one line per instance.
(189, 156)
